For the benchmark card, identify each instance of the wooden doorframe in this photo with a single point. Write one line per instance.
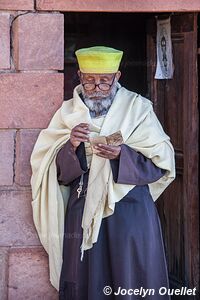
(190, 150)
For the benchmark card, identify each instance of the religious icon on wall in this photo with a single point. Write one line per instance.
(165, 67)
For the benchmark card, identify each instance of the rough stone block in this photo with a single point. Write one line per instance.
(29, 100)
(119, 6)
(3, 272)
(6, 156)
(16, 219)
(4, 40)
(38, 42)
(25, 141)
(29, 275)
(17, 4)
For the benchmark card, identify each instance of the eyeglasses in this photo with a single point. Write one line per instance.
(102, 86)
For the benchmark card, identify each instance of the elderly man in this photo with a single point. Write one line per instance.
(97, 170)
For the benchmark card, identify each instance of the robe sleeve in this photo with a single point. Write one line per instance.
(133, 167)
(70, 163)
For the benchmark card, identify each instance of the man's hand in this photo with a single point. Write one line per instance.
(108, 151)
(79, 133)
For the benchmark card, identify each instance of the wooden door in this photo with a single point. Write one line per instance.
(175, 102)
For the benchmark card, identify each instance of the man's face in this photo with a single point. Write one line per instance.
(99, 90)
(105, 82)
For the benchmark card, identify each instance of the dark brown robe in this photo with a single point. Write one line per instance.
(129, 252)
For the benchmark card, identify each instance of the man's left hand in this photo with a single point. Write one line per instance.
(108, 151)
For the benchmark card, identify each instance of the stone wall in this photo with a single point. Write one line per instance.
(31, 90)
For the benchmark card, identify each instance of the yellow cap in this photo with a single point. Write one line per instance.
(99, 59)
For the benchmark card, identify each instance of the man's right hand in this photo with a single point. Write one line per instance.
(80, 133)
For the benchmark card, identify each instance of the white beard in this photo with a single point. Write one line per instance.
(99, 106)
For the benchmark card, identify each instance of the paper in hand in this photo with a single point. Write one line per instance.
(114, 139)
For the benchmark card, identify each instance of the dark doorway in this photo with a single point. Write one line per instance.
(176, 105)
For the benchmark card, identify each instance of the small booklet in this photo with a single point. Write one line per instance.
(114, 139)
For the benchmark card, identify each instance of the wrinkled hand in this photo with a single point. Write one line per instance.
(108, 151)
(80, 133)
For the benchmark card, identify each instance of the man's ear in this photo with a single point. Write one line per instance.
(118, 74)
(79, 73)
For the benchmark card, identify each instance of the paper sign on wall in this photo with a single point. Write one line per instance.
(164, 68)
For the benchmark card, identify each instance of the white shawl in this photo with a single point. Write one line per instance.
(134, 116)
